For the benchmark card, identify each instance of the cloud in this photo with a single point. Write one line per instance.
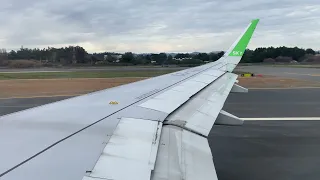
(158, 25)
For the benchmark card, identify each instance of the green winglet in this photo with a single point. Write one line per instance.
(239, 49)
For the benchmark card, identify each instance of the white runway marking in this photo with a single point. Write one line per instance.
(283, 119)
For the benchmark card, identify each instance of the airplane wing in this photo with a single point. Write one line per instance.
(152, 129)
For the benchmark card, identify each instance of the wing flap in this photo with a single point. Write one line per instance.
(130, 153)
(183, 155)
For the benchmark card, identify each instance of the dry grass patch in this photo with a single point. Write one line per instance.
(275, 82)
(47, 87)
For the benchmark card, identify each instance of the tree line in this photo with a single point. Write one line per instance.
(78, 55)
(161, 58)
(262, 54)
(65, 55)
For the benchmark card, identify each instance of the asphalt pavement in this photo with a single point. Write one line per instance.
(275, 103)
(267, 150)
(8, 106)
(264, 150)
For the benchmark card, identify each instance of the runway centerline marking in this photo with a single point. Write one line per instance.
(283, 119)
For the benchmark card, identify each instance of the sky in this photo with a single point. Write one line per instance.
(144, 26)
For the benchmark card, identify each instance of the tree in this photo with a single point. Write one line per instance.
(170, 59)
(93, 59)
(310, 51)
(213, 56)
(127, 57)
(12, 55)
(3, 54)
(202, 56)
(162, 58)
(80, 53)
(147, 59)
(155, 57)
(139, 60)
(220, 54)
(247, 56)
(192, 61)
(110, 58)
(181, 55)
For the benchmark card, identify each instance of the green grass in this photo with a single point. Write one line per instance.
(96, 74)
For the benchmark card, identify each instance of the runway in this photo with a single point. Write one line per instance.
(275, 103)
(263, 150)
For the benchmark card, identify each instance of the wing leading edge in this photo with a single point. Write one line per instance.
(158, 130)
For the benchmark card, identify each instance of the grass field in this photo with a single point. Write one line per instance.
(92, 74)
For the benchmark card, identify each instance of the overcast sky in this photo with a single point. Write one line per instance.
(157, 25)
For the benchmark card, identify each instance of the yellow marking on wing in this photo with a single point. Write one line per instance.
(113, 102)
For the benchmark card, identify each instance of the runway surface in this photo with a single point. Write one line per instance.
(264, 150)
(311, 74)
(275, 103)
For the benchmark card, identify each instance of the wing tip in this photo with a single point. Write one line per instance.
(255, 22)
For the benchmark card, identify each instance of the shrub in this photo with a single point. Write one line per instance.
(24, 64)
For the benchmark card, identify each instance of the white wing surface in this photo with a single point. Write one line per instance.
(151, 129)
